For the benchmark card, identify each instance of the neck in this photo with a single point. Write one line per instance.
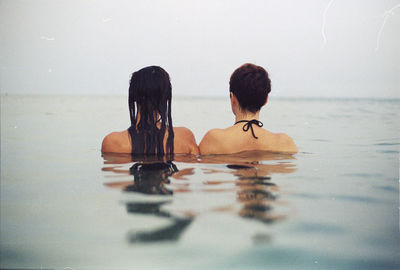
(244, 115)
(155, 117)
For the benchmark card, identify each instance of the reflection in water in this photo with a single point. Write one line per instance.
(255, 193)
(251, 180)
(167, 233)
(150, 178)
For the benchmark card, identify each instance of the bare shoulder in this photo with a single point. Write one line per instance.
(213, 133)
(184, 138)
(183, 131)
(116, 142)
(211, 142)
(286, 143)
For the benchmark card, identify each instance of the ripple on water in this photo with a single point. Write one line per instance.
(363, 175)
(320, 140)
(387, 151)
(363, 199)
(387, 188)
(308, 227)
(387, 144)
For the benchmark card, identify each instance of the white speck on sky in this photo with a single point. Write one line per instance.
(47, 38)
(92, 47)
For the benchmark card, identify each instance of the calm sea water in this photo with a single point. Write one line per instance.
(334, 205)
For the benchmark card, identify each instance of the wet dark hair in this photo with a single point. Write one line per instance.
(251, 86)
(149, 96)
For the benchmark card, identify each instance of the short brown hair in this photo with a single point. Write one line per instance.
(251, 86)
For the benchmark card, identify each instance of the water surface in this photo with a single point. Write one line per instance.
(334, 205)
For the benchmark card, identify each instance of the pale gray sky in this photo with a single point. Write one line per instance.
(328, 48)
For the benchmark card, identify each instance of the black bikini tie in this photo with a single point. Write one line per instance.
(249, 124)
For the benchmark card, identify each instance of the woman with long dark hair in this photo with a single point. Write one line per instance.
(151, 131)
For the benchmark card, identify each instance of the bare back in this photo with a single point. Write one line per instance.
(233, 140)
(120, 142)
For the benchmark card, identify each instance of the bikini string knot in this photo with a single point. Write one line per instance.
(249, 125)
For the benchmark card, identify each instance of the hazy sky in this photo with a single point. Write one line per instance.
(328, 48)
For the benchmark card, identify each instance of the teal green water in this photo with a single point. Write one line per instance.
(334, 205)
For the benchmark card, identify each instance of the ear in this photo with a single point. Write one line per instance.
(234, 103)
(233, 99)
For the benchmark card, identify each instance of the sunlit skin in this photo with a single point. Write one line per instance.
(233, 139)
